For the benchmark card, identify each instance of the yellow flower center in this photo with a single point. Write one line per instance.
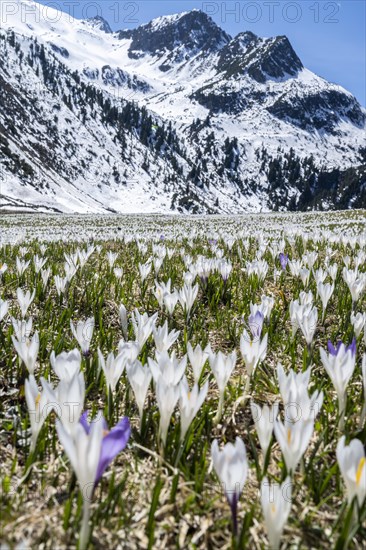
(105, 432)
(37, 400)
(273, 509)
(288, 435)
(359, 470)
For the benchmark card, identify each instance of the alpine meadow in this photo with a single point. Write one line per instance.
(182, 277)
(183, 382)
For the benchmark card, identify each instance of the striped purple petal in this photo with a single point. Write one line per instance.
(334, 350)
(113, 443)
(283, 260)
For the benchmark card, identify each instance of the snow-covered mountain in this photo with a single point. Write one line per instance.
(175, 115)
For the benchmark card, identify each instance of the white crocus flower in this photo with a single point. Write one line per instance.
(124, 320)
(340, 364)
(358, 322)
(264, 419)
(305, 275)
(352, 463)
(276, 506)
(25, 299)
(307, 320)
(347, 261)
(295, 267)
(84, 255)
(45, 275)
(333, 271)
(188, 277)
(39, 263)
(160, 290)
(222, 366)
(71, 263)
(197, 357)
(363, 413)
(143, 326)
(325, 292)
(118, 272)
(291, 381)
(67, 400)
(144, 270)
(168, 366)
(310, 258)
(36, 402)
(231, 467)
(61, 284)
(158, 262)
(67, 364)
(170, 301)
(27, 351)
(253, 351)
(4, 307)
(21, 266)
(295, 396)
(3, 268)
(129, 350)
(303, 406)
(112, 368)
(293, 439)
(319, 276)
(187, 297)
(266, 306)
(297, 309)
(22, 329)
(163, 338)
(112, 257)
(225, 268)
(83, 450)
(83, 333)
(167, 396)
(258, 268)
(189, 404)
(356, 289)
(349, 275)
(139, 377)
(70, 271)
(306, 298)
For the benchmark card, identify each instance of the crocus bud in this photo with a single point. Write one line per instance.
(83, 333)
(352, 463)
(67, 364)
(276, 506)
(264, 419)
(231, 467)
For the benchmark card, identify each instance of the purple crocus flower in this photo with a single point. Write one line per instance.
(256, 324)
(114, 441)
(334, 350)
(283, 260)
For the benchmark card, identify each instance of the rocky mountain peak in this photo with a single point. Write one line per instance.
(260, 58)
(246, 38)
(193, 31)
(99, 23)
(176, 115)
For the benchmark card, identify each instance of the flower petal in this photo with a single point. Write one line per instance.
(113, 443)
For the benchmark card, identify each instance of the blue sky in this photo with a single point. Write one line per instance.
(329, 36)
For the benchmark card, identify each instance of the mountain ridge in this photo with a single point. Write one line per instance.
(199, 106)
